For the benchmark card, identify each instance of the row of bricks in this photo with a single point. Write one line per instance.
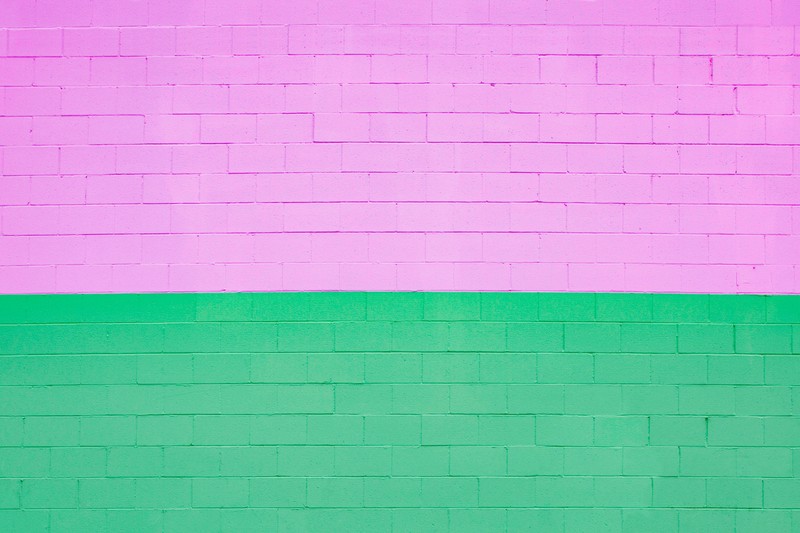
(664, 191)
(401, 127)
(393, 306)
(606, 371)
(441, 227)
(504, 39)
(177, 460)
(405, 336)
(739, 279)
(429, 520)
(665, 433)
(683, 413)
(393, 98)
(402, 157)
(407, 69)
(326, 492)
(51, 13)
(402, 250)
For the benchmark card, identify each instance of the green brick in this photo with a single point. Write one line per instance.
(504, 306)
(107, 493)
(392, 492)
(392, 430)
(193, 337)
(727, 492)
(503, 430)
(678, 431)
(565, 368)
(621, 430)
(186, 461)
(508, 492)
(558, 307)
(709, 462)
(221, 368)
(399, 306)
(280, 306)
(450, 367)
(705, 338)
(735, 370)
(363, 461)
(507, 368)
(706, 400)
(52, 431)
(420, 461)
(452, 306)
(335, 429)
(248, 337)
(621, 368)
(49, 493)
(730, 308)
(336, 368)
(660, 461)
(455, 429)
(393, 368)
(592, 399)
(135, 461)
(363, 336)
(593, 461)
(336, 492)
(156, 493)
(221, 430)
(449, 492)
(278, 492)
(220, 492)
(564, 430)
(620, 307)
(648, 338)
(675, 369)
(535, 461)
(679, 308)
(243, 461)
(108, 431)
(67, 520)
(783, 309)
(763, 462)
(420, 399)
(679, 492)
(363, 399)
(650, 520)
(650, 399)
(757, 521)
(763, 339)
(28, 520)
(420, 336)
(419, 520)
(305, 461)
(10, 493)
(486, 520)
(24, 462)
(221, 307)
(305, 337)
(468, 399)
(477, 461)
(278, 368)
(592, 337)
(337, 306)
(570, 491)
(535, 337)
(782, 493)
(164, 430)
(536, 399)
(477, 336)
(623, 492)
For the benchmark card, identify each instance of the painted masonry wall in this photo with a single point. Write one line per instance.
(209, 145)
(400, 412)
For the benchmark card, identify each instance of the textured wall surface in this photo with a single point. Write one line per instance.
(187, 145)
(396, 412)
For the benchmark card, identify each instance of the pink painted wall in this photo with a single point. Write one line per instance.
(208, 145)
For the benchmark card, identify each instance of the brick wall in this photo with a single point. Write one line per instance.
(190, 145)
(399, 412)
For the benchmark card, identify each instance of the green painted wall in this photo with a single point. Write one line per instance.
(400, 412)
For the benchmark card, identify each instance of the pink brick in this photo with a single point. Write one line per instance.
(280, 247)
(341, 127)
(316, 40)
(61, 71)
(463, 98)
(665, 278)
(397, 127)
(594, 40)
(259, 40)
(624, 70)
(764, 100)
(747, 12)
(481, 217)
(30, 160)
(594, 158)
(484, 39)
(765, 40)
(116, 130)
(34, 42)
(143, 159)
(411, 12)
(539, 276)
(118, 71)
(119, 13)
(534, 217)
(175, 12)
(369, 98)
(649, 99)
(686, 12)
(538, 158)
(368, 217)
(736, 189)
(372, 39)
(622, 188)
(717, 40)
(248, 99)
(520, 128)
(517, 11)
(253, 218)
(397, 247)
(172, 129)
(680, 189)
(594, 218)
(763, 160)
(225, 248)
(450, 127)
(482, 157)
(738, 129)
(426, 276)
(624, 128)
(740, 70)
(783, 129)
(567, 128)
(113, 249)
(88, 159)
(588, 99)
(83, 278)
(310, 277)
(113, 189)
(228, 128)
(647, 40)
(313, 157)
(675, 70)
(574, 12)
(511, 69)
(782, 249)
(651, 159)
(91, 41)
(191, 159)
(465, 12)
(510, 247)
(203, 40)
(707, 100)
(602, 277)
(424, 217)
(455, 69)
(681, 129)
(500, 187)
(368, 277)
(543, 39)
(475, 276)
(453, 247)
(695, 159)
(228, 70)
(354, 12)
(188, 278)
(289, 12)
(736, 249)
(769, 220)
(147, 41)
(231, 12)
(59, 130)
(700, 219)
(253, 277)
(56, 190)
(398, 69)
(569, 69)
(631, 12)
(322, 98)
(566, 188)
(651, 218)
(783, 70)
(29, 101)
(428, 40)
(341, 69)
